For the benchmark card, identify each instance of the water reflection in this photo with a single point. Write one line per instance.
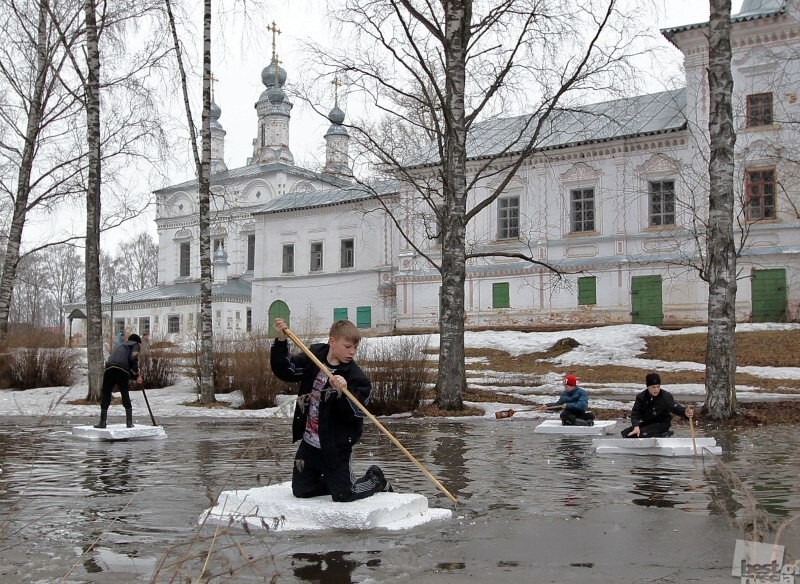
(107, 471)
(327, 568)
(569, 459)
(137, 501)
(652, 487)
(449, 454)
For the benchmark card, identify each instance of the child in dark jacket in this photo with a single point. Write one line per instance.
(325, 421)
(651, 416)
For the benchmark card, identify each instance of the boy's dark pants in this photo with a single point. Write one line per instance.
(120, 378)
(311, 477)
(569, 417)
(649, 431)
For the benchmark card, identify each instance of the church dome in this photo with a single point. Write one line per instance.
(336, 116)
(268, 75)
(275, 94)
(215, 112)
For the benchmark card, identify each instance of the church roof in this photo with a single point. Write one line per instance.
(751, 10)
(642, 115)
(327, 197)
(231, 288)
(255, 171)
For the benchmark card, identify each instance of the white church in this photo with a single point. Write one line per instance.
(614, 198)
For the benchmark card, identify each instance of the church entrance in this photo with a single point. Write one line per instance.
(646, 300)
(278, 309)
(768, 292)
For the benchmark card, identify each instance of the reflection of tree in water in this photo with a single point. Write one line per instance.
(449, 454)
(108, 472)
(327, 568)
(571, 454)
(655, 487)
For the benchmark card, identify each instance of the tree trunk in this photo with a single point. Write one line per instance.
(207, 333)
(721, 347)
(94, 315)
(32, 130)
(452, 372)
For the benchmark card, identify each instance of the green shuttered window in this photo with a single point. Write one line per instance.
(587, 290)
(364, 316)
(500, 297)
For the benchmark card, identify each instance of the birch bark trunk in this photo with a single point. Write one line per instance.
(721, 345)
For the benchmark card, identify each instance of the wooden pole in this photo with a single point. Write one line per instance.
(144, 393)
(366, 412)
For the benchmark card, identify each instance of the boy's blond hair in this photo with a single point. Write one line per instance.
(344, 329)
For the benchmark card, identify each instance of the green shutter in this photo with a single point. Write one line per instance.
(587, 290)
(364, 316)
(500, 298)
(339, 314)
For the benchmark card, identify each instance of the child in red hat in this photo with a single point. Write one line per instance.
(573, 402)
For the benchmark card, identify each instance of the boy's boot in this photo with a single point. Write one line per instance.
(103, 418)
(129, 418)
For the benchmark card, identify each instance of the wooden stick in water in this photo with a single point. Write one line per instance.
(366, 412)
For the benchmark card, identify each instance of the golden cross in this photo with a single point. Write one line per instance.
(276, 61)
(213, 79)
(335, 84)
(274, 30)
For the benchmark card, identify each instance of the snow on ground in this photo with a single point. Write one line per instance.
(617, 345)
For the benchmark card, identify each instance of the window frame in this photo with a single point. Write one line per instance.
(287, 259)
(316, 257)
(339, 314)
(760, 185)
(251, 252)
(176, 319)
(578, 223)
(759, 110)
(508, 217)
(656, 188)
(144, 325)
(347, 253)
(184, 259)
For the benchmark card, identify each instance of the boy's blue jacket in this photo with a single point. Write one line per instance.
(576, 400)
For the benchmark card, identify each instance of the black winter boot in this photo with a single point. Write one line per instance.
(103, 418)
(129, 418)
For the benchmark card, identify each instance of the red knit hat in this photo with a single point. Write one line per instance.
(570, 380)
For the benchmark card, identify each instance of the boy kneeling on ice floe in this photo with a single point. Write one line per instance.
(328, 424)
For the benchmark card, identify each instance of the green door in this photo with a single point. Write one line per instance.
(646, 300)
(278, 309)
(768, 291)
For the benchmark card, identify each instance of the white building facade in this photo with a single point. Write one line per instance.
(616, 201)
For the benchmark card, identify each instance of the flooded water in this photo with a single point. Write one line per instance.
(532, 507)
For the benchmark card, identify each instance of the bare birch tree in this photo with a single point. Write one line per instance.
(202, 158)
(721, 347)
(35, 120)
(444, 68)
